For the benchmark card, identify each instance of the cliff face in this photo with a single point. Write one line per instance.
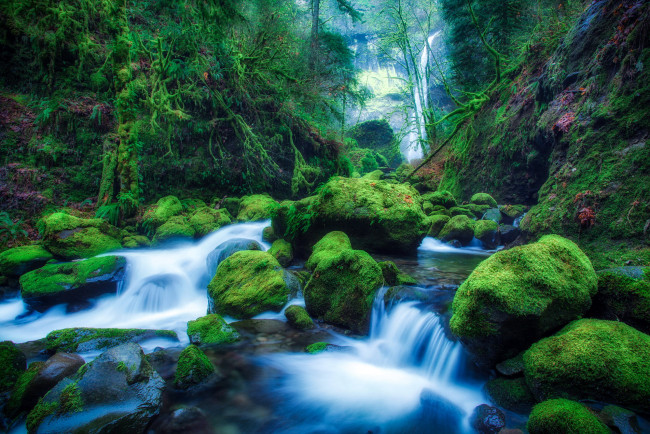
(568, 131)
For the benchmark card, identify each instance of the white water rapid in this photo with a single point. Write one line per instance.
(163, 289)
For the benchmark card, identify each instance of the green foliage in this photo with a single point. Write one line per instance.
(109, 212)
(562, 415)
(10, 231)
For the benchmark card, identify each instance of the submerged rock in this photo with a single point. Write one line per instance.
(72, 282)
(592, 359)
(193, 368)
(211, 329)
(79, 340)
(246, 284)
(71, 237)
(182, 421)
(119, 391)
(442, 415)
(563, 416)
(517, 296)
(298, 318)
(487, 420)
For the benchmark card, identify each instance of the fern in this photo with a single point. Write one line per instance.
(110, 213)
(10, 230)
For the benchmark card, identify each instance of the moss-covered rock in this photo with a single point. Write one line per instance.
(460, 228)
(624, 295)
(246, 284)
(477, 210)
(487, 232)
(71, 237)
(256, 207)
(206, 220)
(211, 329)
(393, 276)
(72, 281)
(232, 205)
(135, 241)
(342, 288)
(298, 318)
(592, 359)
(12, 365)
(511, 394)
(564, 416)
(79, 340)
(335, 241)
(493, 214)
(517, 296)
(269, 235)
(175, 227)
(156, 215)
(193, 368)
(226, 249)
(378, 216)
(461, 210)
(442, 198)
(16, 402)
(437, 222)
(316, 347)
(512, 212)
(483, 199)
(19, 260)
(378, 136)
(282, 251)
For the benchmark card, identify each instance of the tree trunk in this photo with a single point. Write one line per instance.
(315, 23)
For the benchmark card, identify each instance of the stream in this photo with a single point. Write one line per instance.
(408, 375)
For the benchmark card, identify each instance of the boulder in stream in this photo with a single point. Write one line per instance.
(487, 232)
(17, 261)
(256, 207)
(193, 369)
(80, 340)
(226, 249)
(282, 251)
(211, 329)
(205, 220)
(460, 228)
(71, 237)
(487, 420)
(298, 318)
(564, 416)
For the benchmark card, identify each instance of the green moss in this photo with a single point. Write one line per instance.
(39, 413)
(592, 359)
(282, 251)
(342, 288)
(175, 227)
(461, 210)
(12, 365)
(563, 416)
(70, 399)
(18, 392)
(19, 260)
(246, 284)
(437, 222)
(477, 210)
(393, 276)
(84, 339)
(332, 242)
(511, 394)
(135, 241)
(193, 368)
(484, 228)
(211, 329)
(57, 278)
(268, 234)
(624, 295)
(317, 347)
(516, 296)
(156, 215)
(72, 237)
(206, 220)
(513, 211)
(483, 199)
(443, 198)
(256, 207)
(231, 204)
(459, 228)
(298, 317)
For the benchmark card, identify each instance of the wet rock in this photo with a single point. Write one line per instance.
(324, 347)
(183, 420)
(269, 235)
(211, 329)
(226, 249)
(72, 282)
(437, 222)
(246, 284)
(298, 317)
(81, 340)
(624, 295)
(12, 364)
(117, 392)
(282, 251)
(164, 361)
(396, 294)
(487, 232)
(393, 276)
(333, 242)
(261, 326)
(512, 366)
(487, 420)
(71, 237)
(508, 233)
(194, 369)
(511, 394)
(19, 260)
(620, 419)
(512, 212)
(493, 214)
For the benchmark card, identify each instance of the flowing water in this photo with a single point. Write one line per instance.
(408, 375)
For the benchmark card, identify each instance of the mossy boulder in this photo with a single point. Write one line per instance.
(624, 295)
(493, 214)
(564, 416)
(282, 251)
(256, 207)
(156, 215)
(483, 199)
(460, 228)
(205, 220)
(602, 360)
(442, 198)
(378, 216)
(477, 210)
(461, 210)
(393, 276)
(175, 227)
(269, 235)
(211, 329)
(193, 368)
(437, 222)
(72, 282)
(246, 284)
(335, 241)
(517, 296)
(119, 391)
(378, 136)
(298, 318)
(512, 212)
(80, 340)
(12, 364)
(19, 260)
(227, 249)
(135, 241)
(511, 394)
(342, 288)
(71, 237)
(487, 232)
(231, 204)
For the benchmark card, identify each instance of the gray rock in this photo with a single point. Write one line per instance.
(509, 233)
(493, 214)
(487, 420)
